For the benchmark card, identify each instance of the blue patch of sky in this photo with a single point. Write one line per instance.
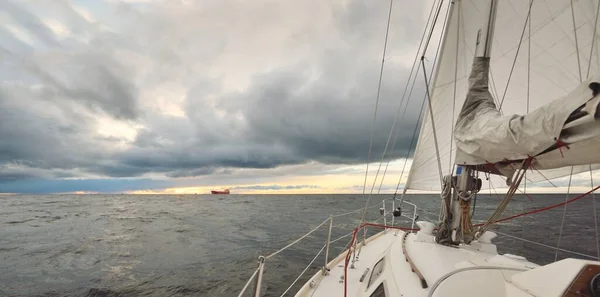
(46, 186)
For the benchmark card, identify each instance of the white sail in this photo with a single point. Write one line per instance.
(551, 64)
(449, 261)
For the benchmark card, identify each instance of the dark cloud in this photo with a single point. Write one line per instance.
(309, 99)
(35, 135)
(86, 74)
(92, 79)
(30, 23)
(10, 177)
(40, 186)
(320, 121)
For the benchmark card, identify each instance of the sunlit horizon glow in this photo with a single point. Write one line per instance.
(206, 191)
(334, 179)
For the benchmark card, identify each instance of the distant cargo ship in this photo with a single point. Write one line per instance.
(224, 192)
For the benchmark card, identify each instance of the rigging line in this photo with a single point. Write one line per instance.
(428, 94)
(435, 58)
(455, 77)
(524, 193)
(562, 223)
(303, 271)
(593, 41)
(528, 69)
(545, 178)
(362, 219)
(571, 175)
(412, 140)
(595, 214)
(437, 14)
(297, 240)
(517, 178)
(474, 205)
(341, 237)
(414, 78)
(402, 100)
(490, 185)
(354, 211)
(576, 41)
(581, 196)
(381, 162)
(528, 82)
(378, 93)
(395, 118)
(495, 96)
(398, 131)
(428, 97)
(248, 283)
(590, 166)
(516, 56)
(544, 245)
(543, 208)
(410, 76)
(385, 149)
(387, 165)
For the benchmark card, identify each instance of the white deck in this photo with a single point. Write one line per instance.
(475, 270)
(330, 285)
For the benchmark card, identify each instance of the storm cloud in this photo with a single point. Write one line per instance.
(174, 89)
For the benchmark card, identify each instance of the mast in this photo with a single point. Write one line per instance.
(487, 30)
(457, 190)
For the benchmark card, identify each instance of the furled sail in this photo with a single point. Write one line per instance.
(484, 136)
(537, 68)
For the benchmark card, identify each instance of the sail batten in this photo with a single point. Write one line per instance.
(557, 64)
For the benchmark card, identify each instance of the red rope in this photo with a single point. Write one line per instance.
(347, 260)
(559, 145)
(545, 208)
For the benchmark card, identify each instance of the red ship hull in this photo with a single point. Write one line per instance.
(226, 192)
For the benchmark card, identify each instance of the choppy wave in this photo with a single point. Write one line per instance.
(120, 245)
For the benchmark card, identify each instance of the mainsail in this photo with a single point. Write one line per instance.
(540, 67)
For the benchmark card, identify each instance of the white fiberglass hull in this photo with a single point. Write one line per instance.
(470, 270)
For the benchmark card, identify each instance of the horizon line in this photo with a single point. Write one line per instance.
(305, 194)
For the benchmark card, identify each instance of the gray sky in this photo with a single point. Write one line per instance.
(196, 93)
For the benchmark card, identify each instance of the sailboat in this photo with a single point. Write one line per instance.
(513, 97)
